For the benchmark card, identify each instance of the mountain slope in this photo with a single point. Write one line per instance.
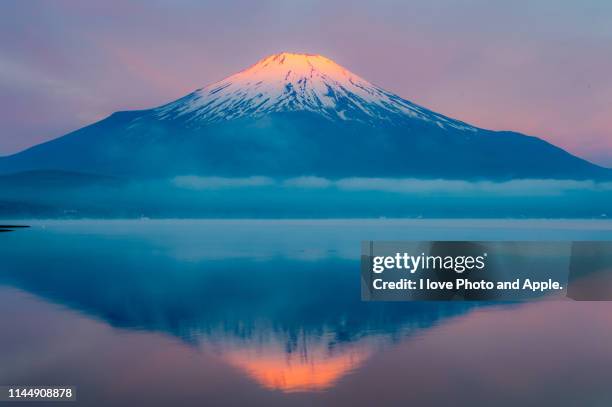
(297, 114)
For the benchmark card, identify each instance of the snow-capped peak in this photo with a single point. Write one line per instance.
(298, 82)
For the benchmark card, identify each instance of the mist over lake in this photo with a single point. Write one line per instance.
(71, 195)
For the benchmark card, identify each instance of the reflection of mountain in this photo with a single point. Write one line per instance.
(292, 115)
(312, 367)
(278, 321)
(224, 297)
(291, 324)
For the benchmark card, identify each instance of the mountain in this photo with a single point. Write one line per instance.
(292, 115)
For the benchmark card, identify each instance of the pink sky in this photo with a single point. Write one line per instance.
(542, 68)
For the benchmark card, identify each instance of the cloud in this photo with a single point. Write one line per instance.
(531, 187)
(308, 182)
(515, 187)
(196, 182)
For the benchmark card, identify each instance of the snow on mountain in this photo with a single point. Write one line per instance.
(298, 82)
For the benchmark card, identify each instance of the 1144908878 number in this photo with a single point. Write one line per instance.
(38, 393)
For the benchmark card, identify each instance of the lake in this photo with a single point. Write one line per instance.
(235, 312)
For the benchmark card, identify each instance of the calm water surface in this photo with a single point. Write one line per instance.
(269, 312)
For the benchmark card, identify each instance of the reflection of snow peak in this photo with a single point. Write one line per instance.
(298, 82)
(276, 370)
(296, 361)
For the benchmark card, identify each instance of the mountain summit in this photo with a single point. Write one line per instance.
(298, 115)
(298, 82)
